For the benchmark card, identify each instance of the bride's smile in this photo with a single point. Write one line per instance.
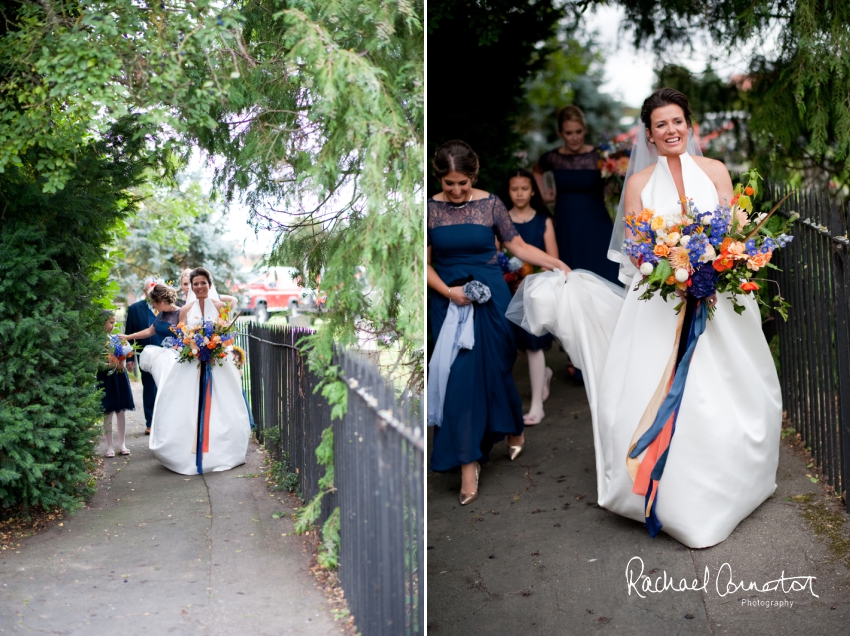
(669, 130)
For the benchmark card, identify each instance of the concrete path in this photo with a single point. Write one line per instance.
(536, 555)
(156, 553)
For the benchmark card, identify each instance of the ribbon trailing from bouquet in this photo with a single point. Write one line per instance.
(655, 440)
(202, 438)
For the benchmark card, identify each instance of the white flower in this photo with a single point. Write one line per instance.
(761, 217)
(684, 240)
(646, 269)
(681, 275)
(709, 254)
(706, 220)
(515, 264)
(672, 239)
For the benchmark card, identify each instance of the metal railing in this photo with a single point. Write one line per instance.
(814, 344)
(378, 471)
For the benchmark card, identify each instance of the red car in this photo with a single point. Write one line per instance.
(274, 291)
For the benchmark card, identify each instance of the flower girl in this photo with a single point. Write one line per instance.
(117, 396)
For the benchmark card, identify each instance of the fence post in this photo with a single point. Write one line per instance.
(841, 282)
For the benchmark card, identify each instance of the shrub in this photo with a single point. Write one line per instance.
(53, 284)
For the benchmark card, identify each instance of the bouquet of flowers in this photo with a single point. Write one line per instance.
(514, 270)
(613, 163)
(207, 342)
(722, 250)
(117, 352)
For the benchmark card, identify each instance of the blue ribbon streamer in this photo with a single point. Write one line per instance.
(669, 408)
(205, 381)
(674, 396)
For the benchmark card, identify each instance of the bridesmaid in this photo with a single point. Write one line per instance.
(481, 403)
(532, 221)
(582, 224)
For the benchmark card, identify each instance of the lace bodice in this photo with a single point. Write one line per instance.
(490, 212)
(554, 160)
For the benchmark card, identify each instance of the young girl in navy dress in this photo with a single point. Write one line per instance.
(532, 221)
(117, 395)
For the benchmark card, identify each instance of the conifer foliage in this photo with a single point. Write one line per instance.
(53, 273)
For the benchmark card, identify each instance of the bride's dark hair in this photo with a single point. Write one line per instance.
(664, 97)
(200, 271)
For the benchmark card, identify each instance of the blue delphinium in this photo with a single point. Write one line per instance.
(504, 262)
(703, 281)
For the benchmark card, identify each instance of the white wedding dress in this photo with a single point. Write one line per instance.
(174, 427)
(724, 453)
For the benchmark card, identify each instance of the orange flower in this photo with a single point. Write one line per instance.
(670, 280)
(661, 250)
(758, 261)
(749, 286)
(723, 263)
(526, 269)
(749, 192)
(187, 341)
(679, 259)
(645, 215)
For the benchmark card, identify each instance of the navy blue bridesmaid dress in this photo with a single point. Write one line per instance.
(482, 404)
(582, 224)
(532, 232)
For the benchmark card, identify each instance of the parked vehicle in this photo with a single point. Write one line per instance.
(276, 290)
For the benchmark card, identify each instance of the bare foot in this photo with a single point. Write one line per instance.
(547, 378)
(531, 419)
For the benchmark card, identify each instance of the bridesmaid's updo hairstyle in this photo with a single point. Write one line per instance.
(163, 294)
(455, 156)
(200, 271)
(571, 113)
(664, 97)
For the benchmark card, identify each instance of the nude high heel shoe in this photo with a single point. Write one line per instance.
(468, 498)
(514, 451)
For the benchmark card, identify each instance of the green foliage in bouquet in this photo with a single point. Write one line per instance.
(53, 286)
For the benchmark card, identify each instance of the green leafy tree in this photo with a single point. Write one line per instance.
(69, 69)
(570, 73)
(322, 140)
(796, 95)
(480, 55)
(53, 284)
(175, 228)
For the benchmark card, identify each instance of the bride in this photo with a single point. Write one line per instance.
(188, 436)
(721, 461)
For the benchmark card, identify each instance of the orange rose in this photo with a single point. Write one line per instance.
(526, 269)
(749, 286)
(661, 250)
(670, 280)
(758, 261)
(645, 215)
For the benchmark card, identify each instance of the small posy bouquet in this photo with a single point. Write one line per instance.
(514, 269)
(117, 352)
(613, 160)
(721, 251)
(207, 342)
(613, 164)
